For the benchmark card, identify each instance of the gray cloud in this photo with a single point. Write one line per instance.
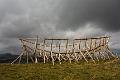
(26, 18)
(8, 7)
(103, 13)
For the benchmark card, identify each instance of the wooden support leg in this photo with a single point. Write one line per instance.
(96, 55)
(97, 58)
(79, 57)
(76, 57)
(44, 57)
(17, 58)
(90, 56)
(83, 56)
(20, 59)
(36, 60)
(107, 55)
(102, 55)
(59, 58)
(69, 58)
(31, 58)
(56, 55)
(52, 57)
(110, 52)
(64, 57)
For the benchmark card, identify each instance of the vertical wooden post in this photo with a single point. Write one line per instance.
(22, 50)
(44, 50)
(82, 53)
(59, 52)
(76, 58)
(86, 48)
(36, 43)
(91, 44)
(25, 51)
(85, 44)
(79, 45)
(51, 54)
(66, 48)
(105, 44)
(100, 43)
(96, 45)
(69, 55)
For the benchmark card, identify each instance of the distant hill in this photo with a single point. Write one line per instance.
(7, 57)
(116, 51)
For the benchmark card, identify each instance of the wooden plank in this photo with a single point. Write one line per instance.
(55, 39)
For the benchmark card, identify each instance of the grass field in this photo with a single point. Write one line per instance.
(108, 70)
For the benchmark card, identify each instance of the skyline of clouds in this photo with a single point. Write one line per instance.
(69, 18)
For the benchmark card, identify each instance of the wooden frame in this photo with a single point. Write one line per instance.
(84, 48)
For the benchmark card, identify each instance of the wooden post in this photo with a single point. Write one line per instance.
(22, 50)
(86, 48)
(67, 50)
(95, 47)
(74, 51)
(52, 52)
(36, 61)
(79, 44)
(17, 58)
(105, 43)
(95, 43)
(100, 44)
(79, 47)
(67, 47)
(91, 44)
(44, 50)
(59, 52)
(83, 53)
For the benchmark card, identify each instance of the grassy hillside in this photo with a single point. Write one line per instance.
(108, 70)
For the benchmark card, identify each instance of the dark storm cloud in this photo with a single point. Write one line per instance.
(27, 18)
(19, 18)
(103, 13)
(19, 28)
(24, 18)
(10, 7)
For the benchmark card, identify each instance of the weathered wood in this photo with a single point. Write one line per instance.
(36, 61)
(82, 48)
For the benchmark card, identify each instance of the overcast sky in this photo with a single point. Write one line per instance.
(69, 18)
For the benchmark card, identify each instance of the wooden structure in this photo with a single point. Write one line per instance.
(52, 50)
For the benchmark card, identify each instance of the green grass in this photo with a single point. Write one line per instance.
(108, 70)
